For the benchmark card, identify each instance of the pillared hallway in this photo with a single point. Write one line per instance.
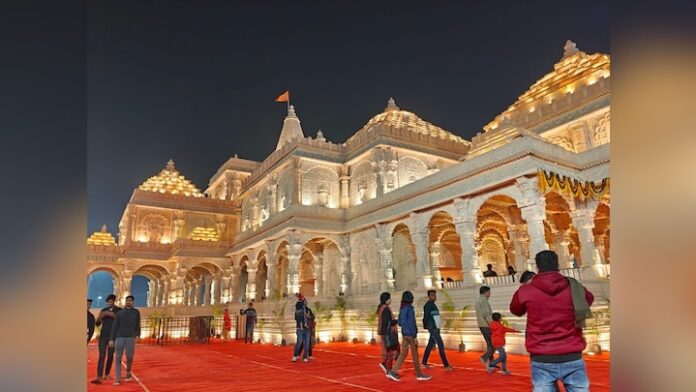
(233, 366)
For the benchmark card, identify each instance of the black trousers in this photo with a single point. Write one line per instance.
(488, 355)
(104, 351)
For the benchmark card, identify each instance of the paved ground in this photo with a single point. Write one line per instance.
(234, 366)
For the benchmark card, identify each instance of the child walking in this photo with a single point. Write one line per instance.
(409, 330)
(498, 331)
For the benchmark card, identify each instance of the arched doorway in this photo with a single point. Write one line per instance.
(307, 273)
(262, 291)
(404, 258)
(100, 283)
(501, 235)
(445, 249)
(281, 281)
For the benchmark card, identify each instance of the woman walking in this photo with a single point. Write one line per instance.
(409, 330)
(387, 332)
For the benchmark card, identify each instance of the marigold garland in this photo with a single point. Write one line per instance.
(549, 181)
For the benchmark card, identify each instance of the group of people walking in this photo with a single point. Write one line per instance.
(120, 327)
(556, 308)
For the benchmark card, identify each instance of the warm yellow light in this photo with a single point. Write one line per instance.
(201, 233)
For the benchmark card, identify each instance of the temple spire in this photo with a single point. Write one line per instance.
(391, 105)
(291, 128)
(170, 165)
(570, 48)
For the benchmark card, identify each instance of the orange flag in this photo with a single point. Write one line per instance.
(284, 97)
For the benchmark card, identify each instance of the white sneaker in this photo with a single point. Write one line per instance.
(305, 360)
(294, 359)
(423, 377)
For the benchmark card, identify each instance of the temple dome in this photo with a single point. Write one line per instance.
(102, 237)
(575, 68)
(291, 128)
(170, 181)
(394, 117)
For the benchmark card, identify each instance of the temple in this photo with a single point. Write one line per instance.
(402, 204)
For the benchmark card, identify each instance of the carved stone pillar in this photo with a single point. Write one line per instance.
(560, 246)
(345, 264)
(178, 228)
(319, 267)
(164, 293)
(423, 275)
(234, 282)
(296, 197)
(471, 271)
(583, 220)
(534, 215)
(345, 188)
(208, 282)
(151, 293)
(516, 233)
(126, 278)
(294, 253)
(271, 275)
(435, 264)
(273, 202)
(251, 285)
(217, 292)
(384, 247)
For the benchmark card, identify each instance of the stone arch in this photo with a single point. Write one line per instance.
(445, 248)
(307, 272)
(156, 275)
(99, 286)
(328, 275)
(497, 214)
(403, 257)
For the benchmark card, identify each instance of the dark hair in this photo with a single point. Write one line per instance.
(546, 260)
(484, 289)
(111, 296)
(406, 297)
(489, 266)
(431, 291)
(383, 298)
(251, 304)
(496, 316)
(131, 297)
(526, 276)
(511, 268)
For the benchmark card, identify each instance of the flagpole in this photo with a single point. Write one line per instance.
(288, 101)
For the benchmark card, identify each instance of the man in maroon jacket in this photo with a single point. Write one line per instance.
(554, 342)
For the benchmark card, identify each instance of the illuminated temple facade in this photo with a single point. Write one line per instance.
(402, 204)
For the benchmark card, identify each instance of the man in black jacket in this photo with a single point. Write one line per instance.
(432, 322)
(106, 320)
(125, 330)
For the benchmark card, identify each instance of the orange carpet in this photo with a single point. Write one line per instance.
(234, 366)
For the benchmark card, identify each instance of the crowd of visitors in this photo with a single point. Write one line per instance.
(556, 308)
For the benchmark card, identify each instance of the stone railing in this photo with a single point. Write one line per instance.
(500, 280)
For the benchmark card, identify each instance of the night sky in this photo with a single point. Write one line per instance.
(196, 81)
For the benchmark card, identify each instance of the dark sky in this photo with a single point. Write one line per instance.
(196, 81)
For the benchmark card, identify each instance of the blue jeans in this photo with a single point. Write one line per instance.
(302, 344)
(573, 375)
(435, 338)
(502, 358)
(121, 344)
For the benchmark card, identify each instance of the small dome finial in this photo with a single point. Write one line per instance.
(391, 105)
(569, 48)
(170, 164)
(236, 156)
(291, 111)
(320, 136)
(103, 229)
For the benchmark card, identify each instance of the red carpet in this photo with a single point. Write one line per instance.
(234, 366)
